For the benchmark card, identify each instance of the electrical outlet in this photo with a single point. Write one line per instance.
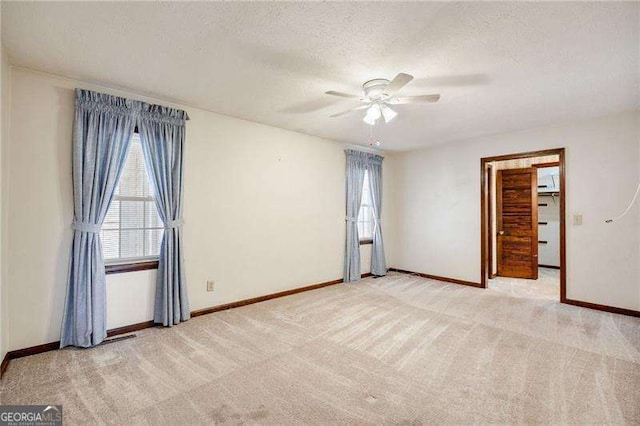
(210, 285)
(577, 219)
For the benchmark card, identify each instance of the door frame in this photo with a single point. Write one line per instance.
(490, 182)
(484, 215)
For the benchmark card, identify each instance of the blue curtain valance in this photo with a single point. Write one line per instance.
(364, 157)
(101, 102)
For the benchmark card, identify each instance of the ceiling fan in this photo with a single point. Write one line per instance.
(379, 95)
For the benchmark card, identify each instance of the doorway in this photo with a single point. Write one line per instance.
(523, 224)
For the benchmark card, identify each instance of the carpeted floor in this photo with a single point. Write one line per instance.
(399, 349)
(547, 286)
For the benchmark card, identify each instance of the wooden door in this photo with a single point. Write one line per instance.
(517, 222)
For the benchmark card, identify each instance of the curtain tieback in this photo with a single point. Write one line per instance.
(86, 227)
(170, 224)
(351, 219)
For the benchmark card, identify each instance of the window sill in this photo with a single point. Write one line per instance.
(120, 268)
(366, 241)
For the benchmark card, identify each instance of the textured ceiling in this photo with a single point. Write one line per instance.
(499, 66)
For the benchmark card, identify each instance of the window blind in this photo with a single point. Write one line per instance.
(132, 229)
(365, 215)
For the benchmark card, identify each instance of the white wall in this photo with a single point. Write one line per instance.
(4, 130)
(264, 211)
(130, 296)
(437, 229)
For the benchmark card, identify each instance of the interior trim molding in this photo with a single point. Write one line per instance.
(46, 347)
(588, 305)
(548, 266)
(130, 328)
(439, 278)
(259, 299)
(33, 350)
(605, 308)
(484, 214)
(130, 267)
(5, 364)
(545, 165)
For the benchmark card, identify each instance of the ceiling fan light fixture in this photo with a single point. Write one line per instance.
(388, 114)
(369, 120)
(374, 111)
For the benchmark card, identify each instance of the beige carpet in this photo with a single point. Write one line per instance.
(547, 286)
(400, 349)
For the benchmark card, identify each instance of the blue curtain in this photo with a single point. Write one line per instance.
(357, 163)
(102, 133)
(162, 132)
(378, 262)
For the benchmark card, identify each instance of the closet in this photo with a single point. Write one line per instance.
(548, 215)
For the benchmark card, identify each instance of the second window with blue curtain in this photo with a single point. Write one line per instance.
(366, 220)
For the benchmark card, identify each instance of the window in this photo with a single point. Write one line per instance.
(365, 215)
(132, 230)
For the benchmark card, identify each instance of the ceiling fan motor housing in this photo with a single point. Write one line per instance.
(374, 89)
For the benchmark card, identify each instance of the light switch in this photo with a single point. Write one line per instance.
(577, 219)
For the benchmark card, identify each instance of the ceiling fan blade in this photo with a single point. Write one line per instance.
(342, 95)
(358, 108)
(397, 83)
(414, 99)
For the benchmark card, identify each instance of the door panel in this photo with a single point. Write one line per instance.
(517, 222)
